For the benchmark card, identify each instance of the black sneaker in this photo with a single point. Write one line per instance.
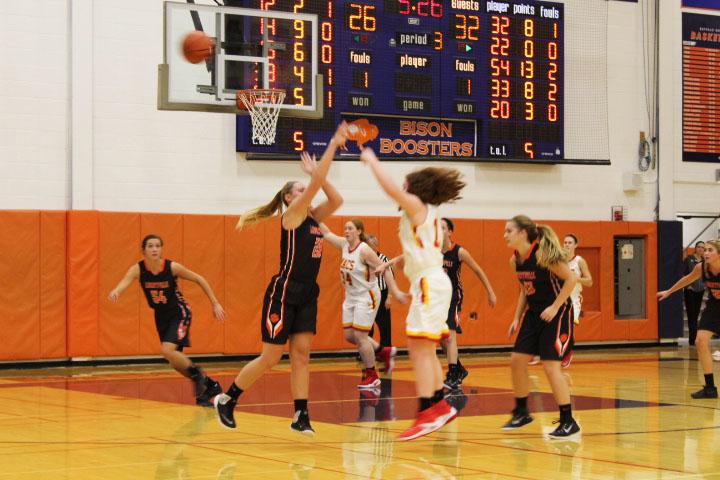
(518, 420)
(461, 374)
(706, 392)
(199, 382)
(565, 430)
(301, 423)
(457, 399)
(212, 388)
(225, 408)
(451, 380)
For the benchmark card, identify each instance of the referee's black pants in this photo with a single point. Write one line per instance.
(383, 321)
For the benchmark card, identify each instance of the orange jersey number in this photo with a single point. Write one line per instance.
(158, 296)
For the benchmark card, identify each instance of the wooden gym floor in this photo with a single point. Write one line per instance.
(135, 422)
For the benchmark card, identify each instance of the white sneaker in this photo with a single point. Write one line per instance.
(535, 360)
(716, 355)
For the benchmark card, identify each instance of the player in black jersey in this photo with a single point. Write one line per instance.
(290, 304)
(158, 279)
(546, 282)
(453, 257)
(709, 271)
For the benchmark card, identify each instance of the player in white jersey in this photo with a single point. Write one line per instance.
(421, 237)
(362, 296)
(579, 267)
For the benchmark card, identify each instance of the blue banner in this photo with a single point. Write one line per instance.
(708, 4)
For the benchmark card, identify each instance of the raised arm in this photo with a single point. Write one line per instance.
(470, 261)
(413, 206)
(330, 205)
(682, 283)
(132, 274)
(585, 276)
(335, 240)
(182, 272)
(333, 201)
(297, 210)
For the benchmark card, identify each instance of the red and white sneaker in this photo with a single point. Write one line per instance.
(370, 380)
(370, 397)
(567, 359)
(387, 356)
(429, 420)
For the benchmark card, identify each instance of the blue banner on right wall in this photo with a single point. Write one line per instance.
(709, 4)
(701, 87)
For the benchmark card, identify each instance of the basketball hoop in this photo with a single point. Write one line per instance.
(264, 108)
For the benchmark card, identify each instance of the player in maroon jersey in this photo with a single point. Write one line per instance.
(158, 279)
(290, 305)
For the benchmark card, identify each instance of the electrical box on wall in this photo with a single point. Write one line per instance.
(632, 181)
(629, 277)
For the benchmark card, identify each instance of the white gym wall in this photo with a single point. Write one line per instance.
(80, 129)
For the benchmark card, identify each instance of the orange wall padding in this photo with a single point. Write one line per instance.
(32, 297)
(60, 266)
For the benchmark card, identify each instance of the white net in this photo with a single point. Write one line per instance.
(264, 108)
(586, 80)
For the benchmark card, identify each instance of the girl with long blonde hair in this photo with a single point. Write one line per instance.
(290, 306)
(546, 328)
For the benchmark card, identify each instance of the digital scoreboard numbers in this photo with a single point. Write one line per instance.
(442, 79)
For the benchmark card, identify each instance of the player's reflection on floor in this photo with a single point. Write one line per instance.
(377, 404)
(369, 447)
(446, 454)
(175, 463)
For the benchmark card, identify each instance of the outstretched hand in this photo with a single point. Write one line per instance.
(402, 297)
(368, 156)
(380, 269)
(308, 163)
(341, 136)
(218, 312)
(663, 295)
(492, 299)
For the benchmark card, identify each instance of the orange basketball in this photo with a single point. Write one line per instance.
(198, 47)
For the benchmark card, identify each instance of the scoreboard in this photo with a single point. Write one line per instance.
(441, 79)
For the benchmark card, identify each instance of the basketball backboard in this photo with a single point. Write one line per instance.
(254, 49)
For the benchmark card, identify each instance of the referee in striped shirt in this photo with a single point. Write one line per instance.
(383, 315)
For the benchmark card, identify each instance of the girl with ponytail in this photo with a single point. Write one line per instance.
(290, 305)
(358, 263)
(709, 270)
(546, 283)
(419, 198)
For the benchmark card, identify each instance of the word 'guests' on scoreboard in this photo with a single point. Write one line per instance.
(460, 79)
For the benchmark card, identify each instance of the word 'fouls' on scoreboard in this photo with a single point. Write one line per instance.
(487, 73)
